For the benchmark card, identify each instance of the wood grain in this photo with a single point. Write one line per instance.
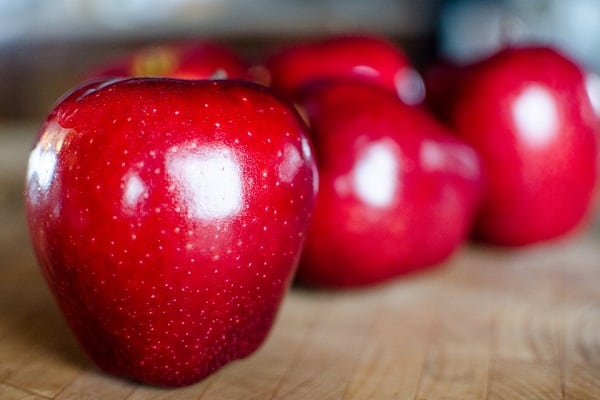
(489, 324)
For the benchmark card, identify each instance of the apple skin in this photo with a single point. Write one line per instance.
(397, 192)
(526, 111)
(180, 60)
(168, 218)
(361, 57)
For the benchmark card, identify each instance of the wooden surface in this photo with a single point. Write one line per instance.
(489, 324)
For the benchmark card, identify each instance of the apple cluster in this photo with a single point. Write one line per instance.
(174, 195)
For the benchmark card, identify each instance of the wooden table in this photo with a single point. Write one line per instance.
(489, 324)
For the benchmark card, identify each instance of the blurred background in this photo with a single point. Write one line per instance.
(47, 45)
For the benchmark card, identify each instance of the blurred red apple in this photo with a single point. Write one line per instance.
(368, 58)
(527, 111)
(168, 218)
(397, 192)
(189, 60)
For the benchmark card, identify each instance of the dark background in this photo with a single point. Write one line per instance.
(47, 45)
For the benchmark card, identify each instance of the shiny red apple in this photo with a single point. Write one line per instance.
(527, 112)
(185, 60)
(361, 57)
(168, 218)
(397, 192)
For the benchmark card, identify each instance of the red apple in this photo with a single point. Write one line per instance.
(168, 218)
(369, 58)
(527, 112)
(397, 192)
(190, 60)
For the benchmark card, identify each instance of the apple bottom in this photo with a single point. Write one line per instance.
(159, 370)
(518, 224)
(546, 199)
(174, 359)
(367, 265)
(356, 275)
(356, 246)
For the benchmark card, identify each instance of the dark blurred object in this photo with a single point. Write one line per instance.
(471, 29)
